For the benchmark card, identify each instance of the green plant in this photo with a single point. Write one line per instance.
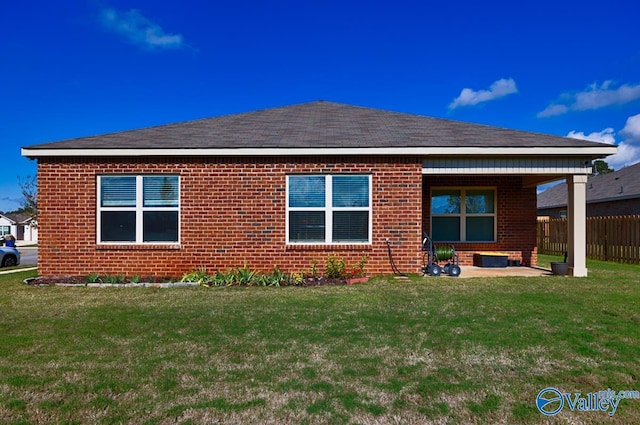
(93, 278)
(362, 264)
(296, 279)
(110, 279)
(245, 276)
(222, 278)
(219, 278)
(335, 267)
(358, 270)
(278, 277)
(262, 279)
(200, 276)
(314, 268)
(135, 279)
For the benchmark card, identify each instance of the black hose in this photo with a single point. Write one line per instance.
(393, 264)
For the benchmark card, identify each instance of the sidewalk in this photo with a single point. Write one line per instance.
(26, 244)
(18, 270)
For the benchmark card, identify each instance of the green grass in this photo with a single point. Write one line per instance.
(424, 350)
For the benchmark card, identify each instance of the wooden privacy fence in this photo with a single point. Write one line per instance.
(608, 238)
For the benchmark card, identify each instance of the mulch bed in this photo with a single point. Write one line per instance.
(82, 280)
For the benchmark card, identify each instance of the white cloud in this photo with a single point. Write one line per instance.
(593, 97)
(627, 155)
(631, 130)
(469, 97)
(140, 30)
(628, 148)
(552, 110)
(605, 136)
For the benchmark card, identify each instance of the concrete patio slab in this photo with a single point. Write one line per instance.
(473, 271)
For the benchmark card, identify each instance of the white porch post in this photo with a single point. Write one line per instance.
(577, 225)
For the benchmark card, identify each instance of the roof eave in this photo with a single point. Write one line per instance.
(587, 151)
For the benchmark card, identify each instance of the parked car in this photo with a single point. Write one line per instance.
(9, 256)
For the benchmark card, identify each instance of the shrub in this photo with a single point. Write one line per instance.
(359, 270)
(296, 279)
(335, 267)
(314, 268)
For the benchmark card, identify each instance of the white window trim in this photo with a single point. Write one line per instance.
(139, 209)
(463, 213)
(329, 209)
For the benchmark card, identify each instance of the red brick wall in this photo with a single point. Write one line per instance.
(516, 215)
(232, 213)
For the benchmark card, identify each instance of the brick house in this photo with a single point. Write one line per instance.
(610, 194)
(283, 186)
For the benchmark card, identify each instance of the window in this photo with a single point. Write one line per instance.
(138, 209)
(329, 208)
(463, 215)
(5, 230)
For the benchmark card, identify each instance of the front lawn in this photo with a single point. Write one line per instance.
(424, 350)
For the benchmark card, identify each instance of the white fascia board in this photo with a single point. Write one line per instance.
(598, 151)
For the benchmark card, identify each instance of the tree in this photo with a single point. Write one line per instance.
(600, 166)
(29, 187)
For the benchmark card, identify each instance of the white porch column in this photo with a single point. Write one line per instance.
(577, 225)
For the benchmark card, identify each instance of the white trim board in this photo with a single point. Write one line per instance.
(592, 152)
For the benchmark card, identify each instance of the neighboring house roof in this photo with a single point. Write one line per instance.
(309, 127)
(617, 186)
(17, 218)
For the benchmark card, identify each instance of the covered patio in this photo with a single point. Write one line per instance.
(527, 168)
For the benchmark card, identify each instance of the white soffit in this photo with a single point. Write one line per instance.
(462, 165)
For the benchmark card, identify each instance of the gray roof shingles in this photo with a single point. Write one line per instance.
(619, 185)
(18, 217)
(318, 124)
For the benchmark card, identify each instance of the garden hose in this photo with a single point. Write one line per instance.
(444, 253)
(393, 264)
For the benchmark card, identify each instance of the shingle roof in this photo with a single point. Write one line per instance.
(616, 186)
(18, 217)
(317, 124)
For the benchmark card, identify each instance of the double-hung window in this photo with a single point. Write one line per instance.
(329, 209)
(463, 214)
(138, 208)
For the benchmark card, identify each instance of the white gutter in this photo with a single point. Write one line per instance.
(419, 151)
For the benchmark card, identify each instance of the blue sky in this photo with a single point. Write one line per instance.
(79, 68)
